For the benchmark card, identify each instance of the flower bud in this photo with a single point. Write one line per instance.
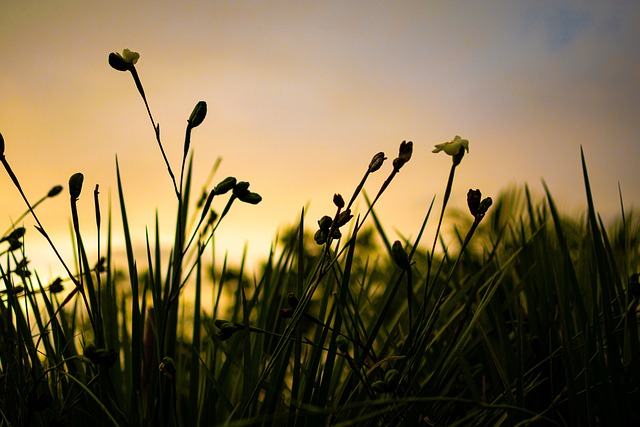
(14, 244)
(400, 256)
(241, 188)
(343, 218)
(75, 185)
(15, 234)
(250, 197)
(54, 191)
(225, 185)
(320, 237)
(229, 327)
(404, 155)
(406, 149)
(220, 323)
(338, 201)
(124, 61)
(325, 223)
(485, 204)
(392, 378)
(198, 114)
(56, 286)
(473, 201)
(292, 300)
(376, 162)
(168, 368)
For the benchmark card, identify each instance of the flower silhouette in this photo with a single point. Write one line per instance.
(453, 147)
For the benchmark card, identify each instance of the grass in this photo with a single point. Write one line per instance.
(525, 317)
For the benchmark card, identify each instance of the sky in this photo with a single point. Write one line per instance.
(302, 94)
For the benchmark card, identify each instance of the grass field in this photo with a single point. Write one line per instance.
(520, 316)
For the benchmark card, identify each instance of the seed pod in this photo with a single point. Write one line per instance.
(376, 162)
(198, 114)
(473, 201)
(400, 256)
(75, 185)
(225, 185)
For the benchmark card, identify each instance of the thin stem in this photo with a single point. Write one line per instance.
(447, 193)
(156, 129)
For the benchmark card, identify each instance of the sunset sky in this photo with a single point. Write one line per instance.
(302, 94)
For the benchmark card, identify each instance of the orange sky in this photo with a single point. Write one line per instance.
(302, 94)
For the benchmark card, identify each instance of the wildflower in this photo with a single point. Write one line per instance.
(124, 61)
(454, 147)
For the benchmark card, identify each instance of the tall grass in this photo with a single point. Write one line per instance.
(525, 317)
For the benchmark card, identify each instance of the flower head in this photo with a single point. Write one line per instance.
(453, 147)
(129, 56)
(123, 61)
